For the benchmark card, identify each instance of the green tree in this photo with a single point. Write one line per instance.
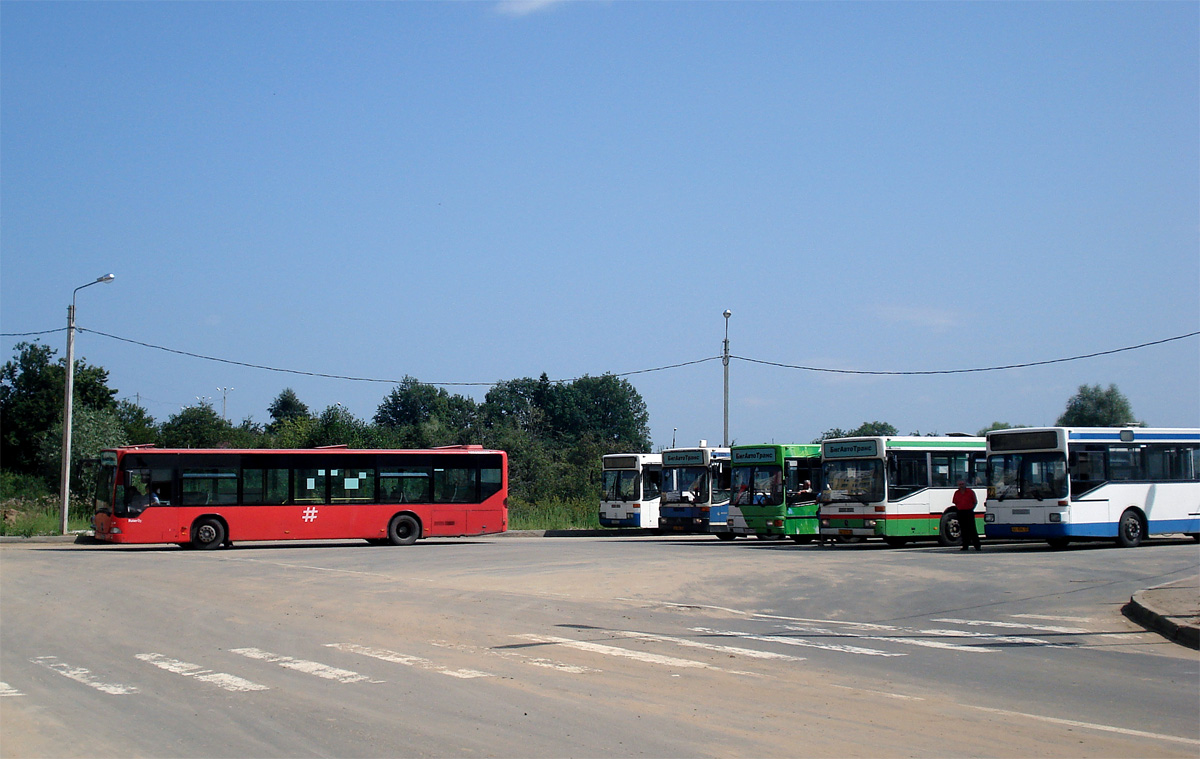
(338, 426)
(197, 427)
(1093, 406)
(139, 425)
(286, 406)
(92, 430)
(421, 415)
(31, 400)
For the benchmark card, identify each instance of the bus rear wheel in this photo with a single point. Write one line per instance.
(1130, 530)
(403, 530)
(207, 533)
(949, 530)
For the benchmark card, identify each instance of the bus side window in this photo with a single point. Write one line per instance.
(909, 473)
(1087, 470)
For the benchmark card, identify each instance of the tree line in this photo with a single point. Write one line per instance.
(554, 432)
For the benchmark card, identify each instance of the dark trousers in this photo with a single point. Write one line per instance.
(966, 526)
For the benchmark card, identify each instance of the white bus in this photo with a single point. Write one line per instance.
(695, 490)
(898, 488)
(630, 490)
(1060, 484)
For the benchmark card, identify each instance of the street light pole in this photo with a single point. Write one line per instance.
(69, 402)
(224, 393)
(725, 360)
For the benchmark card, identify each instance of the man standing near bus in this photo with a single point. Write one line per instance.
(964, 503)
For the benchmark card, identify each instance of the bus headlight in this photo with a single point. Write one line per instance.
(824, 522)
(1055, 516)
(869, 523)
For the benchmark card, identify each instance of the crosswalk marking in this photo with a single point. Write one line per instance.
(992, 638)
(7, 690)
(749, 652)
(533, 661)
(411, 661)
(908, 641)
(301, 665)
(1050, 618)
(84, 676)
(642, 656)
(798, 642)
(1015, 626)
(220, 679)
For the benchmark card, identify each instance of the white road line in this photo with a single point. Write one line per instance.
(854, 625)
(920, 642)
(411, 661)
(990, 638)
(798, 642)
(220, 679)
(533, 661)
(1050, 618)
(81, 675)
(748, 652)
(301, 665)
(1014, 626)
(7, 690)
(1090, 726)
(642, 656)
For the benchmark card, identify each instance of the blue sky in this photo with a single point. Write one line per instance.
(475, 191)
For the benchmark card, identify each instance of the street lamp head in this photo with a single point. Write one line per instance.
(728, 313)
(106, 278)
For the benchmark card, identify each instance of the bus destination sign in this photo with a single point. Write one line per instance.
(852, 450)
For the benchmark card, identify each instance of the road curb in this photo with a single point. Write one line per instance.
(1178, 623)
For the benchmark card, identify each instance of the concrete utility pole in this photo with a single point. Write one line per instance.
(69, 402)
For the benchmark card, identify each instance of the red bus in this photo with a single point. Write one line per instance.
(209, 498)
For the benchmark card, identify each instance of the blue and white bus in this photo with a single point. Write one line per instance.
(695, 490)
(630, 485)
(1060, 484)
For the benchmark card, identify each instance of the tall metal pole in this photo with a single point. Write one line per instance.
(69, 402)
(725, 360)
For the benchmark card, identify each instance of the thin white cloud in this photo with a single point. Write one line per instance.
(524, 7)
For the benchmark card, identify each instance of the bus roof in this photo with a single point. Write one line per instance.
(336, 449)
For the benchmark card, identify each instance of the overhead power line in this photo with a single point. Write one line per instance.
(777, 364)
(968, 371)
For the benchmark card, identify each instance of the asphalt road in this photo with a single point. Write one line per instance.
(548, 647)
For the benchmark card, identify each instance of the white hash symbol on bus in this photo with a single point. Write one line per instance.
(310, 514)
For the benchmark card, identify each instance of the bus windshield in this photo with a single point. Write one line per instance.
(620, 485)
(685, 484)
(1027, 475)
(758, 485)
(857, 480)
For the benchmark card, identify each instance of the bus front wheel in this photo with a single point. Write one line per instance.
(949, 530)
(1130, 531)
(403, 530)
(208, 533)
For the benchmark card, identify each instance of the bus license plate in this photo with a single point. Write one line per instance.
(845, 532)
(1020, 529)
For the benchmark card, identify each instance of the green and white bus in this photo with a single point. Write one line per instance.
(900, 488)
(776, 488)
